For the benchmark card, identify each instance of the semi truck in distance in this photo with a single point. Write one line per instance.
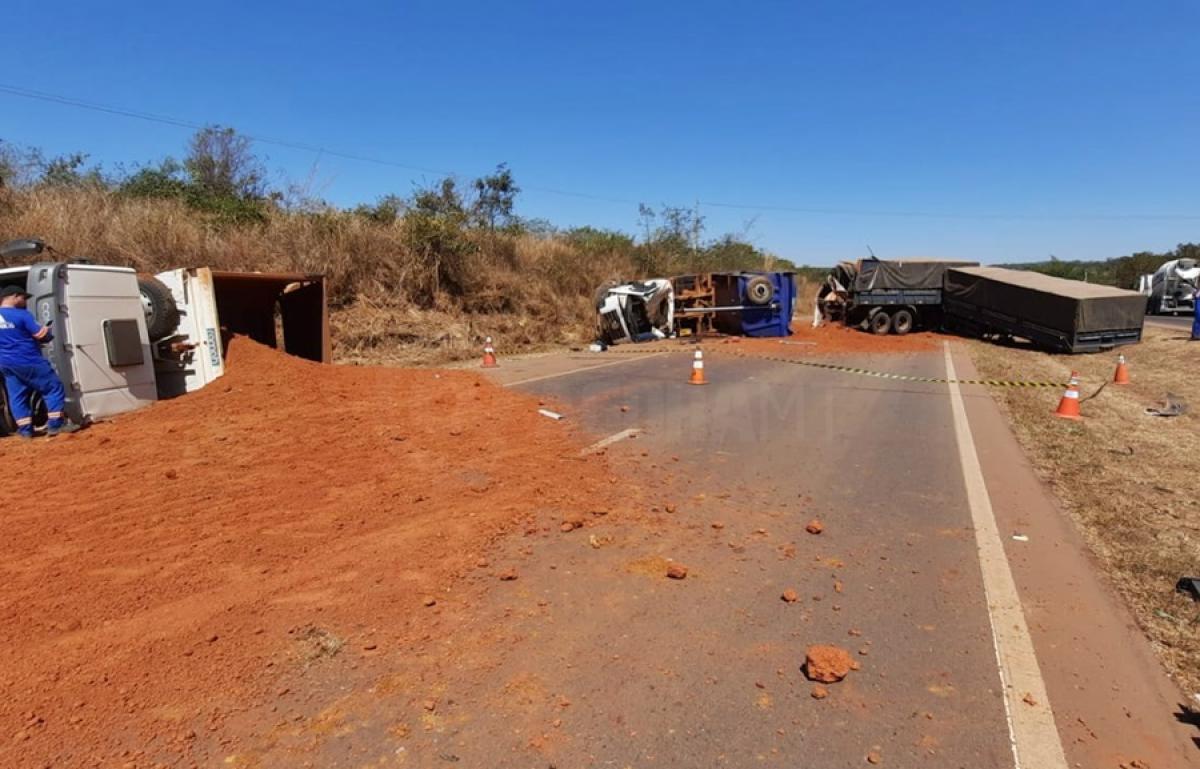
(1171, 289)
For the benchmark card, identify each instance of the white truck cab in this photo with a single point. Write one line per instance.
(100, 347)
(124, 340)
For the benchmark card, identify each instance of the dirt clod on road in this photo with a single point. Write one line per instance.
(814, 527)
(827, 664)
(677, 571)
(314, 510)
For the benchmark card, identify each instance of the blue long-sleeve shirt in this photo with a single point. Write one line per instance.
(20, 335)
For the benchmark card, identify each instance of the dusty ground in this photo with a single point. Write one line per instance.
(1128, 479)
(169, 570)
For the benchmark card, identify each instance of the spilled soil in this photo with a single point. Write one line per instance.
(805, 341)
(165, 571)
(833, 339)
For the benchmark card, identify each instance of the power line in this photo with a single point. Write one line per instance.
(171, 121)
(28, 93)
(941, 215)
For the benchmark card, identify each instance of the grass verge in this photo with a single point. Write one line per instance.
(1127, 479)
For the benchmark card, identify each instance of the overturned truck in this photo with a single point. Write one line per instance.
(122, 340)
(734, 303)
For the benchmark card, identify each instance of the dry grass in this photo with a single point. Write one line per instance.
(392, 300)
(1128, 479)
(389, 301)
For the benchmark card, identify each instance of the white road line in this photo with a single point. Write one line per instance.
(1031, 729)
(610, 440)
(585, 368)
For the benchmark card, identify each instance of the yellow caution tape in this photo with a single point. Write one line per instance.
(859, 371)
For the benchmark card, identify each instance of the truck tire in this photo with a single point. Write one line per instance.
(759, 290)
(902, 322)
(8, 425)
(162, 315)
(37, 407)
(880, 323)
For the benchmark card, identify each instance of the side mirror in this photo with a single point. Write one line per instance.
(21, 249)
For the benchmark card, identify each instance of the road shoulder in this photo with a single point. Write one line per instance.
(1113, 702)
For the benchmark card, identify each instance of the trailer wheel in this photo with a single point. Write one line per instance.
(759, 290)
(902, 322)
(162, 315)
(879, 322)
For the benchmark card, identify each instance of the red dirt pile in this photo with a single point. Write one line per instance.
(159, 568)
(831, 339)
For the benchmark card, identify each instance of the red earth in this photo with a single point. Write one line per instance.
(166, 569)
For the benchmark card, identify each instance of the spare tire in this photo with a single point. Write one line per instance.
(759, 290)
(162, 314)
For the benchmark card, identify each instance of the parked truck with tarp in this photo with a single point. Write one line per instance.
(1055, 313)
(886, 296)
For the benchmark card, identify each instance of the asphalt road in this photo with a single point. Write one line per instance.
(592, 657)
(706, 671)
(1171, 321)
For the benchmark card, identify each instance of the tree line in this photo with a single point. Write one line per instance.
(1121, 271)
(221, 178)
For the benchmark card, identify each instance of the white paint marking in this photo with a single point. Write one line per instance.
(1031, 729)
(610, 440)
(585, 368)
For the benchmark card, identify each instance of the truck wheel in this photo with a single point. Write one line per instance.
(37, 407)
(759, 290)
(8, 425)
(162, 315)
(879, 323)
(902, 322)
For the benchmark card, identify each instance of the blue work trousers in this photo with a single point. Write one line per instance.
(22, 381)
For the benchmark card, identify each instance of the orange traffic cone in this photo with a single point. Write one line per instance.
(1122, 374)
(1068, 407)
(698, 369)
(489, 355)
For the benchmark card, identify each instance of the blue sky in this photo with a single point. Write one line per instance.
(1026, 127)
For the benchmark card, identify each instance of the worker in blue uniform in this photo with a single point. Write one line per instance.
(26, 371)
(1196, 316)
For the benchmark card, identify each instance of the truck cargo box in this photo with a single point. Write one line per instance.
(1061, 314)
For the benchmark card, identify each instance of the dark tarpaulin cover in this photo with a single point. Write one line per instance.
(897, 274)
(1071, 306)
